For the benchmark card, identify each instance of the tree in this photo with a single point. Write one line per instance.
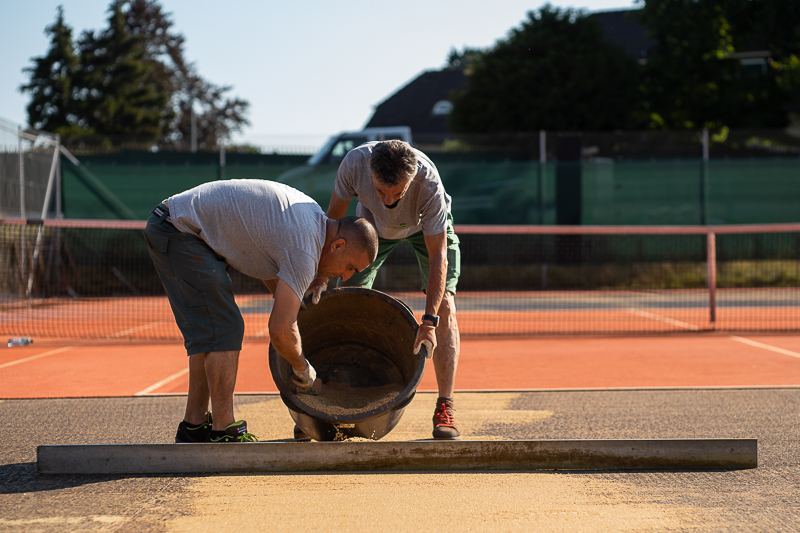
(694, 79)
(117, 91)
(128, 84)
(51, 107)
(555, 72)
(217, 117)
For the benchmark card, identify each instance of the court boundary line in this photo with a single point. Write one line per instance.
(154, 386)
(38, 356)
(765, 346)
(661, 318)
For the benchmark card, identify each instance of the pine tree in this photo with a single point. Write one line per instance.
(217, 117)
(120, 99)
(51, 107)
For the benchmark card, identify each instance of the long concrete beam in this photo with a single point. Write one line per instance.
(509, 455)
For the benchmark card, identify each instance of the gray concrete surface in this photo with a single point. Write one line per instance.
(762, 499)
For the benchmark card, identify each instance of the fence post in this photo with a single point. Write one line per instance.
(221, 159)
(542, 161)
(704, 181)
(59, 215)
(711, 276)
(21, 174)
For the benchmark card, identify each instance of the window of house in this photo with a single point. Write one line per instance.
(442, 107)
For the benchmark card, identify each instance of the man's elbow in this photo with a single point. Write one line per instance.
(280, 331)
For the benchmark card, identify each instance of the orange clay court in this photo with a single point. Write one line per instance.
(57, 368)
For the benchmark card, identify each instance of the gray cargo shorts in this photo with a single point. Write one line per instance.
(198, 287)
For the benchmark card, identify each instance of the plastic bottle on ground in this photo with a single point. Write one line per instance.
(19, 341)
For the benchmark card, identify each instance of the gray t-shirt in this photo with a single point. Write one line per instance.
(263, 229)
(424, 207)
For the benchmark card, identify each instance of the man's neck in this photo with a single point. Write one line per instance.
(331, 229)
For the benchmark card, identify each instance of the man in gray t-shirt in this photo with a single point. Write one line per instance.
(265, 230)
(399, 191)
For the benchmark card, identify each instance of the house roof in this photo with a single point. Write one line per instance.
(413, 105)
(622, 28)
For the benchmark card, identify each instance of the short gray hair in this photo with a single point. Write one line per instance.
(393, 162)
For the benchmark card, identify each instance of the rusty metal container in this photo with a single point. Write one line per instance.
(362, 338)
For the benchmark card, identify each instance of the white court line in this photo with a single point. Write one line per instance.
(765, 346)
(39, 356)
(139, 328)
(666, 319)
(164, 381)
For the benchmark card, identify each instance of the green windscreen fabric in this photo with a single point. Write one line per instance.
(485, 191)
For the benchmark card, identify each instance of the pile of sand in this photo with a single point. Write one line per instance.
(341, 399)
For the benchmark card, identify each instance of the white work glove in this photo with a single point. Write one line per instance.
(428, 345)
(317, 287)
(304, 379)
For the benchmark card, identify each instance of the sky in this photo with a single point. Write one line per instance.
(309, 69)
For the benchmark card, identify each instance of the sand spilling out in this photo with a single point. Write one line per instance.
(342, 399)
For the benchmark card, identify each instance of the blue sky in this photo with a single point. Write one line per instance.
(309, 68)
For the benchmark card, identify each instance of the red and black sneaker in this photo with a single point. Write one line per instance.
(444, 420)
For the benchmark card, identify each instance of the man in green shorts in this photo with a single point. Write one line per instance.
(399, 191)
(262, 229)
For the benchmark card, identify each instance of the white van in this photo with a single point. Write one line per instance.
(338, 145)
(316, 177)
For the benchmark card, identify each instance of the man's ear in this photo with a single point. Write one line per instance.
(338, 245)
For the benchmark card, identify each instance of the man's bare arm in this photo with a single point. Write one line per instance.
(283, 330)
(271, 285)
(337, 208)
(437, 273)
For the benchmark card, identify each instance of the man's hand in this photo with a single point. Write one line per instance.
(304, 379)
(317, 287)
(425, 335)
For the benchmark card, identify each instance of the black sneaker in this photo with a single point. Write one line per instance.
(444, 420)
(190, 433)
(236, 432)
(300, 436)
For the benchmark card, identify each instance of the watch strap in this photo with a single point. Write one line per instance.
(432, 318)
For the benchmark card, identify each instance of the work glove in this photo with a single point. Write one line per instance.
(304, 379)
(316, 288)
(429, 352)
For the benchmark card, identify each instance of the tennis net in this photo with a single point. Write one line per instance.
(89, 279)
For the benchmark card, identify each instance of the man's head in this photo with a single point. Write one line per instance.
(352, 249)
(393, 165)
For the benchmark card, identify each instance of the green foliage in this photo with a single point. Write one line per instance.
(695, 77)
(51, 107)
(217, 117)
(554, 72)
(128, 85)
(115, 85)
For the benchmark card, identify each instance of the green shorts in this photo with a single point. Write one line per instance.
(198, 286)
(366, 277)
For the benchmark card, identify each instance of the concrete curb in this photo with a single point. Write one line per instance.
(425, 455)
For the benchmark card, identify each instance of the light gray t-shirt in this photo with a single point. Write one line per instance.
(263, 229)
(424, 207)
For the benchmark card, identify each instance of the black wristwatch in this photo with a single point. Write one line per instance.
(432, 318)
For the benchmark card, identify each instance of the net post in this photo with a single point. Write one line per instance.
(711, 253)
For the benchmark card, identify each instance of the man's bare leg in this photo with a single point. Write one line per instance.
(448, 340)
(212, 376)
(197, 402)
